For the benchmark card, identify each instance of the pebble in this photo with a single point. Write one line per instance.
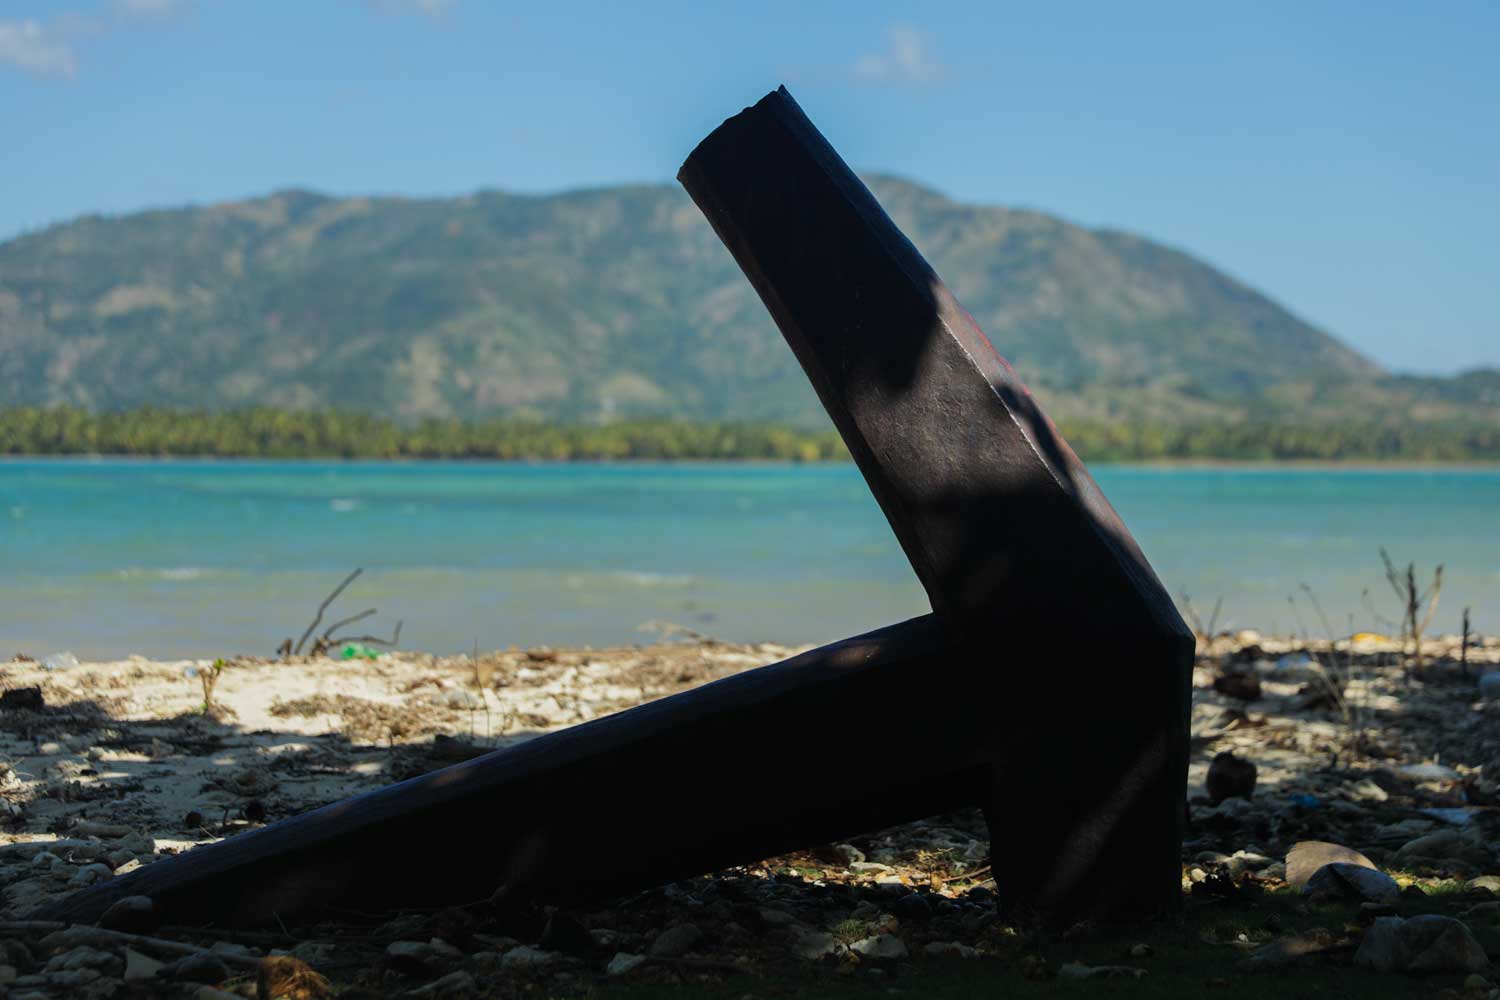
(420, 956)
(912, 906)
(624, 963)
(1307, 856)
(1489, 686)
(204, 967)
(1077, 970)
(1429, 772)
(1426, 943)
(886, 947)
(527, 957)
(214, 993)
(1442, 844)
(1230, 777)
(139, 967)
(776, 918)
(868, 867)
(132, 914)
(848, 853)
(948, 949)
(454, 984)
(85, 957)
(813, 945)
(676, 941)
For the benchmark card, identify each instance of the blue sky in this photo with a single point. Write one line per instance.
(1342, 157)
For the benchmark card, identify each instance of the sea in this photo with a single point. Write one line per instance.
(105, 558)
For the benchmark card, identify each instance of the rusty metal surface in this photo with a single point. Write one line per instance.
(988, 501)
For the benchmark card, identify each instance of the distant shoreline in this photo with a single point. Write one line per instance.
(336, 434)
(1166, 464)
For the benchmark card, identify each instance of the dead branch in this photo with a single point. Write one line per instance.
(328, 632)
(324, 607)
(374, 640)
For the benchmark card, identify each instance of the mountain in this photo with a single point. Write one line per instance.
(616, 302)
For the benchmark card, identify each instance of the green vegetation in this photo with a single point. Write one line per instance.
(591, 307)
(265, 433)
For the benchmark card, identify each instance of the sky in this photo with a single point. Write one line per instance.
(1343, 158)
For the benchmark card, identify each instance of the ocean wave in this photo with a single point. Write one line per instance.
(175, 573)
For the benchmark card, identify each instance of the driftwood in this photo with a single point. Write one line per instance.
(1079, 764)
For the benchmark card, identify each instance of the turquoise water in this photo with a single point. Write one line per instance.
(186, 558)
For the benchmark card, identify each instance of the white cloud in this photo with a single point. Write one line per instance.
(42, 50)
(435, 10)
(908, 60)
(152, 10)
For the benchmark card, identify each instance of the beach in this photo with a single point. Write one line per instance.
(109, 765)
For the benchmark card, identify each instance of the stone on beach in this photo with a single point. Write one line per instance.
(1426, 943)
(1341, 880)
(1307, 856)
(1230, 777)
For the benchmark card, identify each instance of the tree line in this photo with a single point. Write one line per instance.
(271, 433)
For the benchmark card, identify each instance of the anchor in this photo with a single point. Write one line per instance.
(1049, 686)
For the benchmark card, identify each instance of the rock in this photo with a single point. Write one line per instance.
(1427, 943)
(1233, 809)
(912, 906)
(948, 949)
(527, 957)
(1307, 856)
(1077, 970)
(8, 974)
(89, 874)
(1488, 910)
(27, 699)
(1490, 883)
(85, 957)
(1252, 860)
(1289, 950)
(132, 914)
(624, 963)
(676, 941)
(1475, 983)
(204, 967)
(1429, 772)
(1141, 951)
(416, 957)
(565, 934)
(1341, 880)
(1244, 687)
(776, 918)
(848, 853)
(1489, 686)
(456, 985)
(886, 947)
(286, 976)
(813, 945)
(314, 953)
(1366, 790)
(140, 967)
(1230, 777)
(1442, 844)
(109, 831)
(869, 867)
(213, 993)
